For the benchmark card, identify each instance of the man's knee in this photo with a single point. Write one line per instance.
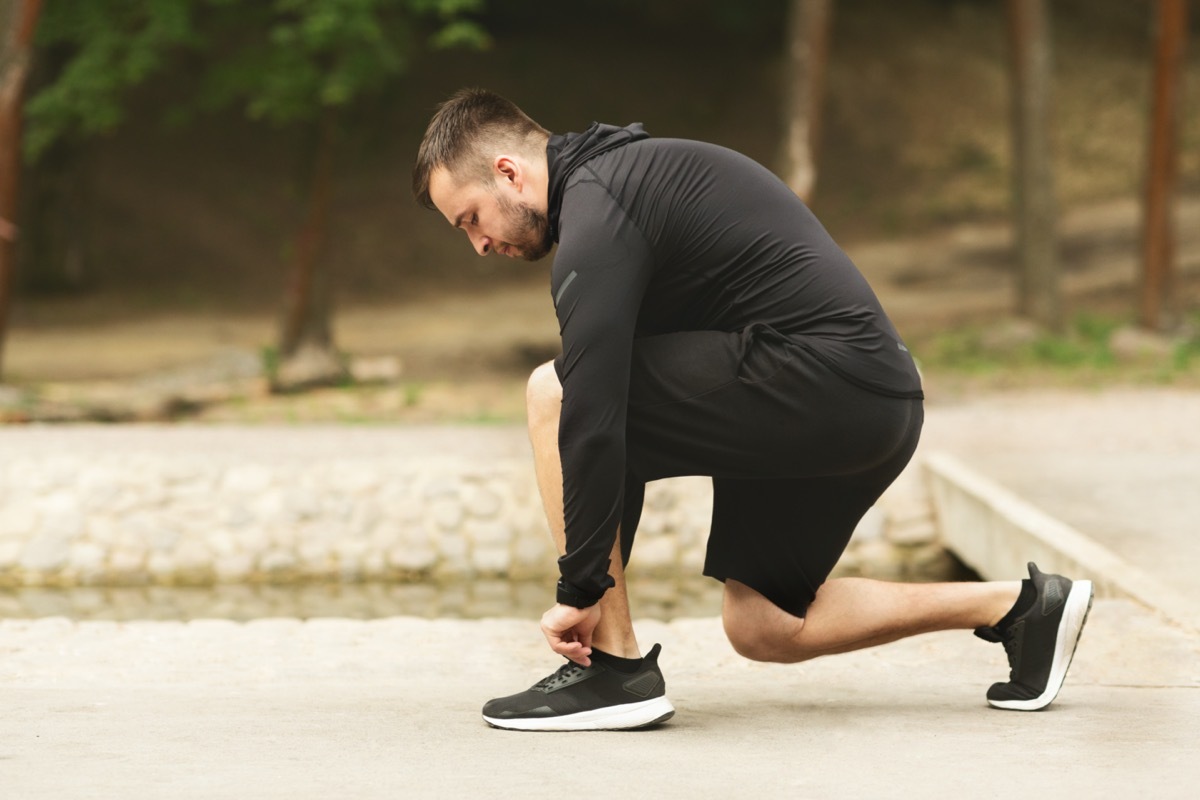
(758, 644)
(764, 637)
(543, 395)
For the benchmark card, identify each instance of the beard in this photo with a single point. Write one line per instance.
(530, 231)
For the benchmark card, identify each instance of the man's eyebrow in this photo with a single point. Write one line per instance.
(458, 220)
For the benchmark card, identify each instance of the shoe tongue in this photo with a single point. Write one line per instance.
(989, 634)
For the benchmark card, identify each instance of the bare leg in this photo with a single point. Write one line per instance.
(543, 401)
(854, 613)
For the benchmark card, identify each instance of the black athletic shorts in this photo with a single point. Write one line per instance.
(797, 453)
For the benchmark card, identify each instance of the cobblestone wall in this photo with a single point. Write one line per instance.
(98, 507)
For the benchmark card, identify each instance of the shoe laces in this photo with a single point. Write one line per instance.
(561, 676)
(1012, 644)
(1012, 648)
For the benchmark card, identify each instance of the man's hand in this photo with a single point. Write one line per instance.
(569, 631)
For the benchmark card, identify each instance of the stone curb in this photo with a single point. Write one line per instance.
(148, 505)
(996, 532)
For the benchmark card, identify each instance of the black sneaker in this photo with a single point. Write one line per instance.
(1039, 635)
(605, 696)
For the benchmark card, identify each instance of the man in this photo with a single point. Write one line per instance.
(710, 326)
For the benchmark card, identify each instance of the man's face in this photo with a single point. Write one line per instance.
(495, 218)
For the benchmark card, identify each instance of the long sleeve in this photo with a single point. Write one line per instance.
(600, 275)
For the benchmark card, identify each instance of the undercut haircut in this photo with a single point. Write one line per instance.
(465, 134)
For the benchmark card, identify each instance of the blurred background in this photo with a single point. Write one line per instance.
(215, 221)
(206, 217)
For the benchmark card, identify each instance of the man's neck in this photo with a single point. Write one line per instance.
(538, 179)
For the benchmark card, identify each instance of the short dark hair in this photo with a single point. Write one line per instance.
(459, 130)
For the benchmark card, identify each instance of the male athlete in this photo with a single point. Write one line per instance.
(710, 326)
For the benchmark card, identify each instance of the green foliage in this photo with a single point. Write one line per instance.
(460, 33)
(977, 350)
(1085, 344)
(412, 394)
(957, 349)
(1084, 350)
(301, 56)
(1066, 352)
(278, 60)
(270, 361)
(1097, 328)
(112, 45)
(1188, 350)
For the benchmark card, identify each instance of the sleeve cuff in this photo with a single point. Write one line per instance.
(569, 595)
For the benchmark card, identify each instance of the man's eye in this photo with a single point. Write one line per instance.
(474, 219)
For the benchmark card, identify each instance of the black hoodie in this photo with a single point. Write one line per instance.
(664, 235)
(566, 153)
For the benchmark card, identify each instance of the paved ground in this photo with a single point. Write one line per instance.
(1120, 466)
(387, 708)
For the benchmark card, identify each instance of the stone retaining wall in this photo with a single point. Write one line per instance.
(195, 506)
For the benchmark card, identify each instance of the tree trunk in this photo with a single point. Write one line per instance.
(1038, 291)
(804, 82)
(1162, 171)
(307, 353)
(18, 21)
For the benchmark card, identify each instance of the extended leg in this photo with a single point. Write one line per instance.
(614, 634)
(855, 613)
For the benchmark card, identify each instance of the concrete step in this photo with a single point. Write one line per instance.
(995, 532)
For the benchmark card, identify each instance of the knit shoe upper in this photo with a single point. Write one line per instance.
(610, 694)
(1040, 641)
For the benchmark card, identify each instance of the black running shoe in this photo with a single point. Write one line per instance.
(604, 696)
(1039, 635)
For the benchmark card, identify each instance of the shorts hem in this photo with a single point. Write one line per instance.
(789, 608)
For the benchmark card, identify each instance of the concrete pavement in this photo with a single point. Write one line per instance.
(1120, 468)
(280, 708)
(390, 708)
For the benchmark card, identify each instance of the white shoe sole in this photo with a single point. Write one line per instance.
(613, 718)
(1079, 603)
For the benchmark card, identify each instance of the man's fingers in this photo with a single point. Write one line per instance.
(576, 652)
(569, 648)
(568, 631)
(568, 645)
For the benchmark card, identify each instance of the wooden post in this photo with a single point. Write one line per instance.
(1038, 292)
(804, 82)
(1162, 169)
(18, 21)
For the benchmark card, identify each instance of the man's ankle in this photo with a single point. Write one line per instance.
(621, 648)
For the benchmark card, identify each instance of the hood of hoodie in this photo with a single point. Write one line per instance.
(567, 151)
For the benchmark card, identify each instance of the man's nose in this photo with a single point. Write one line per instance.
(482, 244)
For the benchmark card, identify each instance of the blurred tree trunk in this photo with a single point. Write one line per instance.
(18, 21)
(1162, 171)
(804, 82)
(307, 356)
(1039, 295)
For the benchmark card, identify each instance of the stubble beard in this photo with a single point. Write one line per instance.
(531, 229)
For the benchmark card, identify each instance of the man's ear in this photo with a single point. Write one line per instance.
(508, 170)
